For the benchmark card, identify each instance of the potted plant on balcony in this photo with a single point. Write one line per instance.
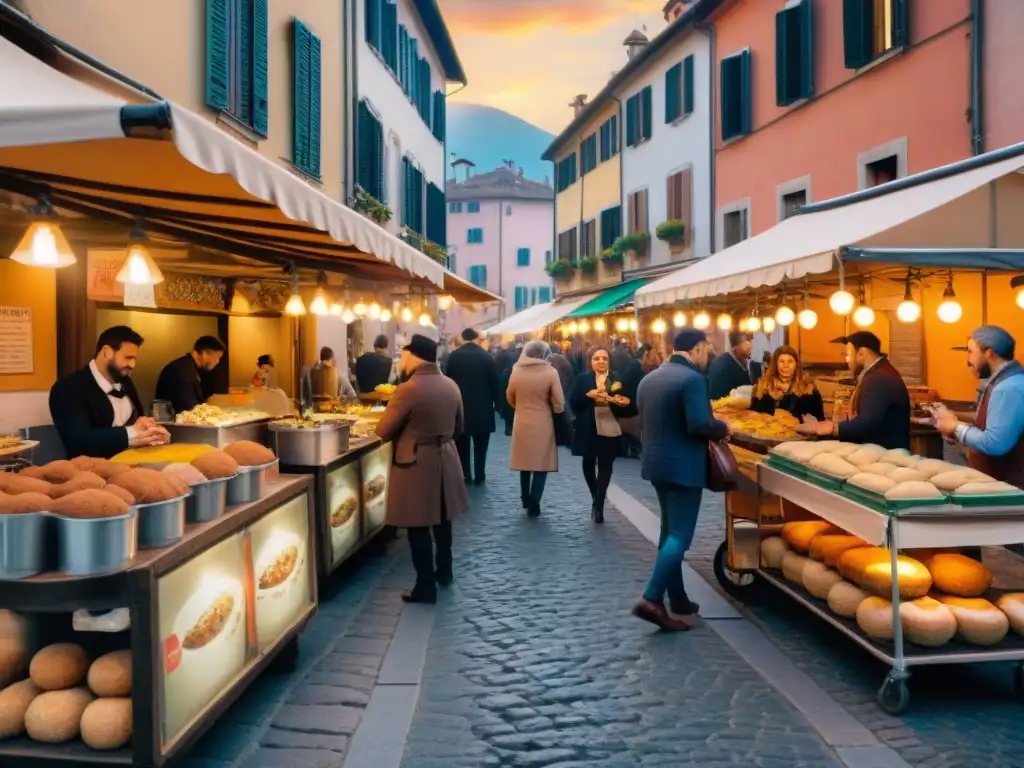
(372, 208)
(611, 258)
(588, 265)
(437, 252)
(560, 269)
(633, 245)
(672, 232)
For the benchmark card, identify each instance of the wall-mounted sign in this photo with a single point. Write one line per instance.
(375, 470)
(343, 510)
(15, 340)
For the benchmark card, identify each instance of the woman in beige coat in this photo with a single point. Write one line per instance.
(535, 392)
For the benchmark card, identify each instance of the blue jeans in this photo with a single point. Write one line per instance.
(679, 508)
(531, 485)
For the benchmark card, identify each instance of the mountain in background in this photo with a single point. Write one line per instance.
(488, 136)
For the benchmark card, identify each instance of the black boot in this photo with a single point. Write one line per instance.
(597, 511)
(532, 508)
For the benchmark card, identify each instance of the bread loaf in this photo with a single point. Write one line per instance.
(107, 723)
(874, 483)
(845, 449)
(959, 575)
(907, 475)
(866, 454)
(986, 489)
(912, 490)
(1012, 604)
(818, 578)
(58, 666)
(927, 622)
(799, 534)
(111, 674)
(773, 549)
(879, 468)
(874, 617)
(871, 569)
(845, 598)
(953, 479)
(977, 620)
(831, 464)
(14, 703)
(829, 546)
(793, 567)
(932, 467)
(900, 457)
(54, 717)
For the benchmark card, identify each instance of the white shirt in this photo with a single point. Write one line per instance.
(123, 407)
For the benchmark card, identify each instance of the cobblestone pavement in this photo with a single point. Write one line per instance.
(534, 659)
(960, 716)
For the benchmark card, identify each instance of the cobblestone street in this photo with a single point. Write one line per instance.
(534, 660)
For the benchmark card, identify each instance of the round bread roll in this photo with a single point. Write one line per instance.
(953, 479)
(54, 717)
(932, 467)
(59, 471)
(845, 598)
(819, 579)
(899, 456)
(111, 674)
(58, 666)
(12, 659)
(977, 620)
(828, 547)
(1012, 604)
(827, 446)
(866, 454)
(874, 617)
(878, 468)
(831, 464)
(927, 622)
(958, 575)
(873, 483)
(802, 452)
(986, 489)
(907, 475)
(773, 549)
(793, 567)
(871, 569)
(14, 703)
(799, 534)
(845, 449)
(915, 489)
(107, 723)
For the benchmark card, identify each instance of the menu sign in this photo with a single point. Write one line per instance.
(16, 340)
(204, 609)
(281, 569)
(376, 469)
(343, 505)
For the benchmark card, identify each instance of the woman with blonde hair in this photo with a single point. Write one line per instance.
(785, 387)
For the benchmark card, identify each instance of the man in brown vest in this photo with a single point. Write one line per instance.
(995, 443)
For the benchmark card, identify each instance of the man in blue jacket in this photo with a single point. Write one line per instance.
(677, 424)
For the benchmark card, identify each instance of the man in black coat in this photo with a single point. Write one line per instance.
(96, 410)
(727, 372)
(473, 369)
(880, 406)
(180, 381)
(374, 368)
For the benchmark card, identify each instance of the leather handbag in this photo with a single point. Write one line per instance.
(563, 429)
(723, 472)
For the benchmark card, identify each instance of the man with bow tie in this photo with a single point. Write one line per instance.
(96, 410)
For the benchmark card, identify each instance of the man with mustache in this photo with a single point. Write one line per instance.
(97, 410)
(995, 443)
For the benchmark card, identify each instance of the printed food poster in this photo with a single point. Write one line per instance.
(376, 467)
(204, 620)
(343, 504)
(281, 564)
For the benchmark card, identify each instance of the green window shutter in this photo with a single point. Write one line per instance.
(648, 113)
(425, 92)
(406, 191)
(794, 54)
(414, 78)
(372, 10)
(900, 23)
(735, 95)
(688, 84)
(242, 108)
(300, 96)
(746, 94)
(378, 159)
(632, 103)
(363, 148)
(614, 134)
(403, 56)
(260, 55)
(314, 105)
(782, 43)
(857, 32)
(603, 131)
(673, 87)
(544, 294)
(805, 11)
(218, 52)
(727, 96)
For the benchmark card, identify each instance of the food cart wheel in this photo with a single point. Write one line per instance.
(738, 584)
(894, 696)
(287, 660)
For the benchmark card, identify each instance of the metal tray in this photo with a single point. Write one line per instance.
(788, 466)
(989, 500)
(825, 480)
(879, 503)
(207, 501)
(218, 437)
(309, 446)
(161, 523)
(24, 548)
(91, 546)
(247, 486)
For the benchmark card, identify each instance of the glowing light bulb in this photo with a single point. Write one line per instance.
(584, 326)
(336, 309)
(908, 311)
(842, 302)
(784, 316)
(374, 311)
(622, 324)
(702, 321)
(678, 320)
(444, 303)
(359, 310)
(600, 325)
(44, 245)
(659, 326)
(950, 310)
(295, 306)
(319, 305)
(807, 319)
(768, 325)
(724, 322)
(348, 316)
(1020, 298)
(385, 315)
(406, 315)
(139, 268)
(753, 324)
(863, 316)
(632, 324)
(425, 319)
(573, 327)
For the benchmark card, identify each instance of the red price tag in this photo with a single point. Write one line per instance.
(172, 653)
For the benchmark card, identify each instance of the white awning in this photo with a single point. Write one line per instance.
(195, 180)
(536, 317)
(950, 211)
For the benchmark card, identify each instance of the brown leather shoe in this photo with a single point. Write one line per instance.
(657, 615)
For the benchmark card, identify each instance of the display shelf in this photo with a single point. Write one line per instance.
(22, 751)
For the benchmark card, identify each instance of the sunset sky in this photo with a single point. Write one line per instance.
(530, 57)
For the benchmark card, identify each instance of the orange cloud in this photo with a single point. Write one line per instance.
(522, 17)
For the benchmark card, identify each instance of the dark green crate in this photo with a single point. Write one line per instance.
(990, 500)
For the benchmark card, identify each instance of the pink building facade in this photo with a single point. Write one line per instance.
(500, 237)
(1002, 61)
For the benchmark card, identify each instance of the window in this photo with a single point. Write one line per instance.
(872, 28)
(473, 206)
(588, 240)
(792, 201)
(412, 197)
(567, 245)
(735, 224)
(403, 57)
(679, 95)
(523, 257)
(437, 221)
(475, 235)
(611, 226)
(423, 92)
(370, 147)
(306, 100)
(882, 171)
(440, 116)
(544, 294)
(680, 200)
(508, 210)
(454, 207)
(236, 60)
(794, 53)
(588, 154)
(638, 117)
(382, 33)
(533, 296)
(522, 298)
(609, 137)
(451, 262)
(548, 257)
(478, 275)
(637, 210)
(735, 90)
(565, 173)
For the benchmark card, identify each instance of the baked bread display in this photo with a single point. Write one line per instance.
(900, 457)
(14, 484)
(250, 454)
(818, 579)
(102, 467)
(914, 489)
(215, 465)
(793, 567)
(107, 723)
(25, 503)
(59, 471)
(866, 454)
(54, 717)
(90, 505)
(845, 598)
(798, 535)
(994, 488)
(874, 617)
(931, 467)
(952, 480)
(878, 468)
(15, 700)
(773, 549)
(111, 674)
(827, 547)
(958, 575)
(1012, 604)
(831, 464)
(907, 475)
(871, 568)
(82, 481)
(148, 486)
(120, 493)
(927, 622)
(977, 620)
(871, 482)
(58, 666)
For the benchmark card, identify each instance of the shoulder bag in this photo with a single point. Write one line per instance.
(723, 471)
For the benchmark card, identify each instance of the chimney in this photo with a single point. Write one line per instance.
(635, 43)
(578, 104)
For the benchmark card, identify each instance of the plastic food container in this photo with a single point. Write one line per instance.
(91, 546)
(207, 501)
(161, 523)
(247, 486)
(23, 545)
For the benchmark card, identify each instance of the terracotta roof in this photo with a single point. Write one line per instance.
(500, 184)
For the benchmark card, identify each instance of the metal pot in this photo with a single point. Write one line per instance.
(247, 486)
(23, 545)
(96, 545)
(208, 501)
(161, 523)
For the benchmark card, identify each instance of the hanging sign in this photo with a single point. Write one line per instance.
(15, 340)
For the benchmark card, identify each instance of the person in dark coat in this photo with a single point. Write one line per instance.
(180, 381)
(880, 405)
(727, 372)
(785, 387)
(475, 372)
(505, 409)
(677, 423)
(374, 368)
(97, 411)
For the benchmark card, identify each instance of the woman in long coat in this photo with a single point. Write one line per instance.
(535, 392)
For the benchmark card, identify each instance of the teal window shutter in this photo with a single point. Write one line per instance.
(632, 104)
(603, 132)
(735, 96)
(782, 58)
(544, 295)
(244, 58)
(403, 57)
(218, 52)
(648, 115)
(474, 206)
(414, 78)
(673, 89)
(363, 148)
(614, 132)
(425, 92)
(406, 191)
(301, 96)
(523, 257)
(794, 58)
(520, 298)
(746, 94)
(857, 33)
(805, 13)
(260, 56)
(372, 10)
(688, 85)
(900, 23)
(378, 159)
(533, 296)
(315, 97)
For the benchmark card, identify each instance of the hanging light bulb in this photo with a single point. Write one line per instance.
(584, 326)
(425, 319)
(784, 316)
(319, 304)
(295, 306)
(842, 302)
(659, 326)
(359, 310)
(385, 315)
(622, 324)
(724, 322)
(444, 303)
(44, 245)
(632, 324)
(702, 321)
(600, 325)
(753, 324)
(909, 310)
(950, 310)
(807, 319)
(374, 311)
(768, 325)
(863, 316)
(406, 314)
(348, 316)
(139, 268)
(1018, 284)
(678, 320)
(336, 309)
(573, 327)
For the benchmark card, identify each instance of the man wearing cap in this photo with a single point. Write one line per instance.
(476, 373)
(727, 372)
(995, 443)
(880, 406)
(425, 488)
(677, 424)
